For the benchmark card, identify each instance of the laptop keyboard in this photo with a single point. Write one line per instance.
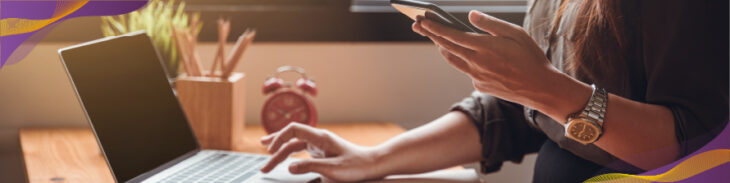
(219, 168)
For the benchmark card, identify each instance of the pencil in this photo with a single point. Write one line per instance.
(195, 58)
(223, 31)
(180, 49)
(238, 49)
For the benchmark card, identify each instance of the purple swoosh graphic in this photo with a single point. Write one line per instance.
(718, 174)
(15, 47)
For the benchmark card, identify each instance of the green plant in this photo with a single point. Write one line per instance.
(157, 19)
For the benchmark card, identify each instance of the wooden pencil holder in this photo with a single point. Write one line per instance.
(215, 109)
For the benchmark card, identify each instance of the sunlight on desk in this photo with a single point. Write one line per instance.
(73, 155)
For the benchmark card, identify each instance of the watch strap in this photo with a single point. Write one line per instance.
(596, 107)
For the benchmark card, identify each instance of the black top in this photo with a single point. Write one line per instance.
(678, 59)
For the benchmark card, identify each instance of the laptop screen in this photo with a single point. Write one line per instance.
(129, 102)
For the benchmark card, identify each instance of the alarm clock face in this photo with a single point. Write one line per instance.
(287, 106)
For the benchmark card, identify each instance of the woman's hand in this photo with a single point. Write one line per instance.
(507, 64)
(332, 156)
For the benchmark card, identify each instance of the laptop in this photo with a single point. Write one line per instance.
(139, 124)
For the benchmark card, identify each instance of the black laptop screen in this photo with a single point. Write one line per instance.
(132, 108)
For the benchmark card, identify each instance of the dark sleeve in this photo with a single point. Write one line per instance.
(504, 132)
(685, 53)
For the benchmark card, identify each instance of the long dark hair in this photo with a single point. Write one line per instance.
(599, 41)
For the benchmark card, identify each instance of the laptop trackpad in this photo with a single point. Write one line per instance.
(281, 174)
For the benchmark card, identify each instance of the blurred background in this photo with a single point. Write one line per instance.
(368, 64)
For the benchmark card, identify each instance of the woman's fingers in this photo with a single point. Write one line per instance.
(301, 132)
(281, 155)
(491, 24)
(455, 61)
(457, 50)
(416, 27)
(465, 39)
(266, 140)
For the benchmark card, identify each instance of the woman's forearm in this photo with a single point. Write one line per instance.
(639, 133)
(447, 141)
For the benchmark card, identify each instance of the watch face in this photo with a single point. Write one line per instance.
(582, 131)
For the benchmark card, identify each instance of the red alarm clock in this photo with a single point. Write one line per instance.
(286, 103)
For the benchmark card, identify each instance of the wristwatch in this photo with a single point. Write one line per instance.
(586, 126)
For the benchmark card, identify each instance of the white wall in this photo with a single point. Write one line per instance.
(404, 83)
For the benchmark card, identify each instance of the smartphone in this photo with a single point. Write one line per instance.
(413, 8)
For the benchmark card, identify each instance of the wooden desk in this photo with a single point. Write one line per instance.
(73, 155)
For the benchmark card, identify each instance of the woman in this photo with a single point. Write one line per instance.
(592, 86)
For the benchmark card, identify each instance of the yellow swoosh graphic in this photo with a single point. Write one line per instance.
(12, 26)
(688, 168)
